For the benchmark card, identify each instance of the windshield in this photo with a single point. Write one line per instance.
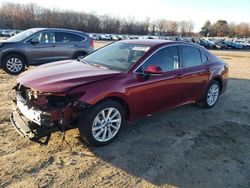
(119, 56)
(23, 35)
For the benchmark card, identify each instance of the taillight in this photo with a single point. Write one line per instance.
(91, 43)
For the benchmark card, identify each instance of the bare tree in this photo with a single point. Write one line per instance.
(190, 27)
(172, 28)
(183, 28)
(242, 30)
(24, 16)
(231, 27)
(162, 26)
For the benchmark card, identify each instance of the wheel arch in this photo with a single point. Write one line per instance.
(219, 80)
(121, 101)
(79, 52)
(15, 53)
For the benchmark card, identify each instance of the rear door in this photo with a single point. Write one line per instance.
(195, 73)
(68, 44)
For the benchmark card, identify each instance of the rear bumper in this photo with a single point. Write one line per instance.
(224, 86)
(224, 79)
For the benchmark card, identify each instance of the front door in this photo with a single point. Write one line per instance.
(44, 49)
(152, 93)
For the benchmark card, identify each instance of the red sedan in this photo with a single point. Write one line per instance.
(117, 83)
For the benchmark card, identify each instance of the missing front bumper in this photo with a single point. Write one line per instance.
(21, 125)
(30, 129)
(32, 122)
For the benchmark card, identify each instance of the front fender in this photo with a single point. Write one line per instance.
(93, 99)
(98, 91)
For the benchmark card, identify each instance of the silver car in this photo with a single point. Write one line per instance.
(42, 45)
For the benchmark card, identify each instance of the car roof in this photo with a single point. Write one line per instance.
(58, 29)
(158, 42)
(153, 42)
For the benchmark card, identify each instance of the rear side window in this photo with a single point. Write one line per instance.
(191, 56)
(68, 37)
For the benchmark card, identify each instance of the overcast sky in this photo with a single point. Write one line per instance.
(196, 10)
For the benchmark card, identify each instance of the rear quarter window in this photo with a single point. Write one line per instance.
(204, 58)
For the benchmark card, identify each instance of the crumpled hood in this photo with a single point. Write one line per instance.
(61, 76)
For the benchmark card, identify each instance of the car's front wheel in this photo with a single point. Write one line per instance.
(13, 64)
(212, 94)
(100, 124)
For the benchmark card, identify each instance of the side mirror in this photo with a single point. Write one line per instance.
(153, 70)
(34, 41)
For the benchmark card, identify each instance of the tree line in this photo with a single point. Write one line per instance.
(222, 28)
(24, 16)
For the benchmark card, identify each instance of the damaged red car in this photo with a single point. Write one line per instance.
(117, 83)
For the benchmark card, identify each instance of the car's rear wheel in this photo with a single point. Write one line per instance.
(13, 64)
(212, 94)
(100, 124)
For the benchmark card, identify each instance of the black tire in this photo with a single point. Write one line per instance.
(11, 70)
(205, 101)
(87, 119)
(79, 55)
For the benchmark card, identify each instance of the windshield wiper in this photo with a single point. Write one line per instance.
(82, 61)
(96, 65)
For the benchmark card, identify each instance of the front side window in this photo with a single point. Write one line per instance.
(167, 59)
(119, 55)
(22, 35)
(191, 56)
(45, 37)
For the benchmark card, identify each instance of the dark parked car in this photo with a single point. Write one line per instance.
(41, 45)
(117, 83)
(15, 32)
(5, 33)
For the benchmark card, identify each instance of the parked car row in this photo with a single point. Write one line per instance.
(97, 36)
(209, 43)
(8, 32)
(224, 44)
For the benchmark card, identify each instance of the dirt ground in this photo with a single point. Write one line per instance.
(184, 147)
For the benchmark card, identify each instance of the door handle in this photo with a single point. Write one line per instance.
(179, 76)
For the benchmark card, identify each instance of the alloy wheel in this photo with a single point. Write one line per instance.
(14, 64)
(213, 94)
(106, 124)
